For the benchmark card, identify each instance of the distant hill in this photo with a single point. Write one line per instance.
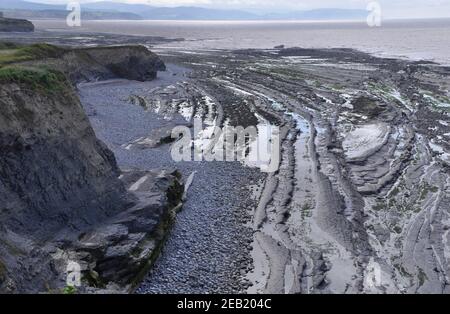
(25, 5)
(118, 7)
(114, 10)
(196, 13)
(321, 14)
(62, 14)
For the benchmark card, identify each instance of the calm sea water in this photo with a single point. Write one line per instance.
(418, 39)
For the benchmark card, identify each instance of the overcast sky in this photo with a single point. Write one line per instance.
(391, 8)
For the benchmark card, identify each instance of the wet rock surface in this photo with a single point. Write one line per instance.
(208, 247)
(360, 202)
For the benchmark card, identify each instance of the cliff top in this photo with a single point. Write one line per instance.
(39, 78)
(43, 66)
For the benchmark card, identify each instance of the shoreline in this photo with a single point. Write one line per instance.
(160, 39)
(391, 36)
(302, 238)
(207, 230)
(363, 178)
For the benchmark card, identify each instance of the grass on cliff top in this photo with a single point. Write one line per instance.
(38, 79)
(12, 53)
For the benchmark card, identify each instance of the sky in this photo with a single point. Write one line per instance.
(390, 8)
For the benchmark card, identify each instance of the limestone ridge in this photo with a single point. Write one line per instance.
(15, 25)
(63, 196)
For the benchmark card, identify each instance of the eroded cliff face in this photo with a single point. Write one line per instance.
(130, 62)
(102, 63)
(63, 198)
(52, 167)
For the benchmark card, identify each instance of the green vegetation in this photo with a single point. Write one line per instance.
(437, 101)
(306, 210)
(8, 45)
(36, 78)
(427, 188)
(11, 53)
(159, 237)
(405, 203)
(40, 79)
(379, 206)
(421, 276)
(69, 290)
(337, 86)
(394, 192)
(402, 270)
(374, 87)
(42, 51)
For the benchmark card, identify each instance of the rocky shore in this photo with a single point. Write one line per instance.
(208, 249)
(358, 205)
(339, 216)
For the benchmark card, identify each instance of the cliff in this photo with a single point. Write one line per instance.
(101, 63)
(62, 199)
(87, 64)
(62, 14)
(15, 25)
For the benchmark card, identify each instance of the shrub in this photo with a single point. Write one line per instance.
(40, 79)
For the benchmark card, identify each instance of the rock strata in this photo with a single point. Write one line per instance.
(64, 199)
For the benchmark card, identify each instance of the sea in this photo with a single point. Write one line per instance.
(420, 39)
